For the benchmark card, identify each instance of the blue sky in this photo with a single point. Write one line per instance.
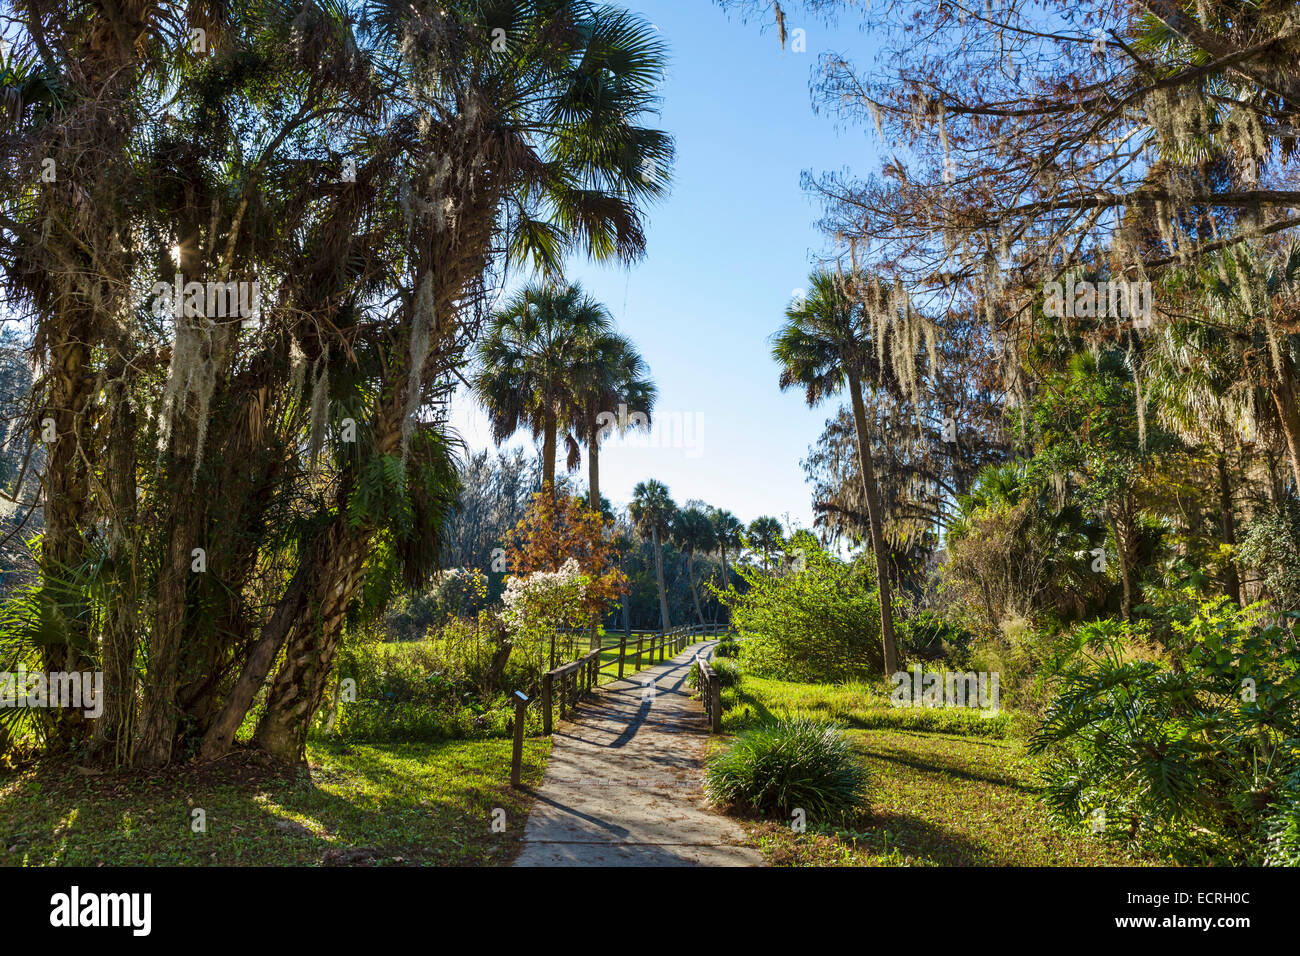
(726, 251)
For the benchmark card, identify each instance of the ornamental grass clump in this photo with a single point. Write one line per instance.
(787, 765)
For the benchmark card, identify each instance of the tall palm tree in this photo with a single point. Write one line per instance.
(1198, 382)
(610, 373)
(692, 531)
(531, 157)
(527, 374)
(829, 342)
(1254, 297)
(764, 536)
(652, 511)
(726, 535)
(624, 543)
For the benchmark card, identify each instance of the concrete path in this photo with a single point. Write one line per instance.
(624, 783)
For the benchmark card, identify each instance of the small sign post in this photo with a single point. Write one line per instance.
(516, 762)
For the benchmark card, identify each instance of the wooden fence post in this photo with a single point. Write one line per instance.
(622, 654)
(547, 682)
(517, 757)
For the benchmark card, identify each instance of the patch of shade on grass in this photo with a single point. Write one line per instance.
(939, 800)
(967, 797)
(363, 804)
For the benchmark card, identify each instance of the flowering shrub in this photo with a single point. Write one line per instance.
(538, 606)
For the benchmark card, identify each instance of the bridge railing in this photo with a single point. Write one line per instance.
(710, 693)
(565, 685)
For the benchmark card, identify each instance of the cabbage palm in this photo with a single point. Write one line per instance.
(652, 510)
(829, 342)
(536, 151)
(612, 378)
(531, 365)
(726, 534)
(692, 531)
(764, 536)
(1253, 295)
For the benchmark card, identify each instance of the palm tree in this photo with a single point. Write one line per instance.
(726, 535)
(764, 536)
(1198, 382)
(1253, 298)
(693, 532)
(652, 511)
(527, 374)
(528, 157)
(623, 544)
(830, 341)
(609, 374)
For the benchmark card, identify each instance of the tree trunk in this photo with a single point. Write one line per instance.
(593, 466)
(160, 713)
(549, 428)
(1284, 401)
(66, 503)
(500, 656)
(1124, 527)
(874, 519)
(623, 599)
(593, 501)
(1228, 524)
(664, 624)
(221, 733)
(114, 729)
(726, 580)
(690, 576)
(300, 683)
(1282, 389)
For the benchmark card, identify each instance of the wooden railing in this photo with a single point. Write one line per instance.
(568, 683)
(710, 693)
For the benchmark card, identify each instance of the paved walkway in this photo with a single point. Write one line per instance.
(624, 783)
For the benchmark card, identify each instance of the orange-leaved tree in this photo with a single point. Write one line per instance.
(552, 531)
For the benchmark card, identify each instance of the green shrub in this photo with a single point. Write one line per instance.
(727, 671)
(440, 687)
(1283, 828)
(925, 635)
(1270, 546)
(455, 593)
(777, 768)
(727, 647)
(1025, 658)
(818, 621)
(1184, 753)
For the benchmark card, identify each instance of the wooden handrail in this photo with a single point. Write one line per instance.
(578, 678)
(710, 694)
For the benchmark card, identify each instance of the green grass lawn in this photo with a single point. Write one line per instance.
(863, 706)
(368, 804)
(936, 799)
